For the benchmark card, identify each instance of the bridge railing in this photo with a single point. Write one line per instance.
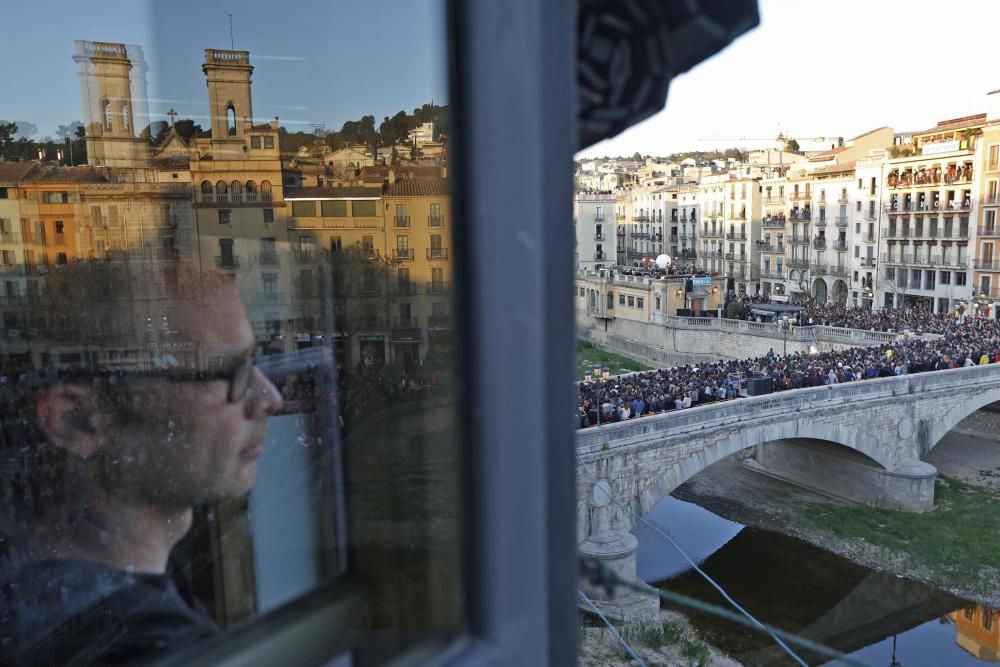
(730, 412)
(802, 333)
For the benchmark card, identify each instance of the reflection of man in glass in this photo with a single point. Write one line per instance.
(122, 457)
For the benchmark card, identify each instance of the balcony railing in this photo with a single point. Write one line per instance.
(599, 236)
(268, 296)
(772, 275)
(869, 214)
(410, 322)
(988, 230)
(437, 287)
(401, 221)
(801, 196)
(795, 240)
(819, 244)
(435, 221)
(843, 199)
(598, 217)
(439, 321)
(841, 220)
(6, 237)
(868, 262)
(642, 217)
(268, 259)
(768, 247)
(773, 223)
(820, 222)
(819, 269)
(304, 256)
(404, 288)
(227, 261)
(437, 253)
(801, 215)
(987, 265)
(402, 254)
(739, 215)
(840, 271)
(839, 245)
(168, 254)
(774, 200)
(797, 263)
(868, 238)
(233, 197)
(736, 236)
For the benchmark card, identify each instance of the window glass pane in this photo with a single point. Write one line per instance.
(361, 209)
(334, 209)
(304, 209)
(217, 395)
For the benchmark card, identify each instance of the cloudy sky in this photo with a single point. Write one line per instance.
(829, 67)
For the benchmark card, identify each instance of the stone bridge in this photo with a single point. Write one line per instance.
(861, 441)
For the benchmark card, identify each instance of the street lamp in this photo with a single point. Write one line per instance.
(784, 326)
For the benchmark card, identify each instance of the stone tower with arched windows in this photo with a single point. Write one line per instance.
(111, 76)
(228, 79)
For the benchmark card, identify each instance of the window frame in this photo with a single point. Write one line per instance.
(509, 539)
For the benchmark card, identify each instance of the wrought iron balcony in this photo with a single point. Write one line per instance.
(437, 253)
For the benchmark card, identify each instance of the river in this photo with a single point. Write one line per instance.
(873, 617)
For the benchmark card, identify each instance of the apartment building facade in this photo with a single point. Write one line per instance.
(931, 198)
(595, 230)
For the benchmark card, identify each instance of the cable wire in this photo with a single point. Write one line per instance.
(614, 630)
(599, 574)
(694, 565)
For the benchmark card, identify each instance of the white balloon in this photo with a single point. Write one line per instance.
(663, 261)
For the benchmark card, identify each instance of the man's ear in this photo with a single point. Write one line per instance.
(69, 416)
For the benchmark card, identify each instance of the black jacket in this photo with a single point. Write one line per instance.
(85, 613)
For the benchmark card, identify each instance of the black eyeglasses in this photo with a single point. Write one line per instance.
(237, 376)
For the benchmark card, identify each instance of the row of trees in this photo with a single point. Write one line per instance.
(390, 132)
(16, 142)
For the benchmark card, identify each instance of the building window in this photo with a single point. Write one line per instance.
(336, 244)
(993, 157)
(106, 113)
(62, 259)
(231, 120)
(640, 302)
(631, 302)
(363, 208)
(945, 278)
(304, 209)
(268, 142)
(255, 142)
(225, 216)
(621, 299)
(657, 301)
(60, 227)
(435, 220)
(334, 208)
(3, 193)
(268, 214)
(960, 278)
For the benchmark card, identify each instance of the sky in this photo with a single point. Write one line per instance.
(317, 62)
(829, 68)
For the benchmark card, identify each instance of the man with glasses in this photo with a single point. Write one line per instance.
(119, 459)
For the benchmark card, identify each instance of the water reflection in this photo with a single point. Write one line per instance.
(795, 586)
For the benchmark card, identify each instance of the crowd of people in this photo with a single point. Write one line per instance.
(963, 343)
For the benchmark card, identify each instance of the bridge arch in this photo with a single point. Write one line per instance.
(751, 436)
(929, 432)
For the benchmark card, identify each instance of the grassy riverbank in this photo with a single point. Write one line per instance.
(588, 356)
(957, 545)
(668, 640)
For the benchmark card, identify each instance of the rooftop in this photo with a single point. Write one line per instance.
(419, 187)
(956, 124)
(68, 175)
(12, 172)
